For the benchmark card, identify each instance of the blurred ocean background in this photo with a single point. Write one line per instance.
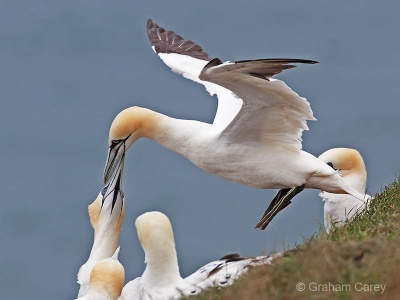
(68, 67)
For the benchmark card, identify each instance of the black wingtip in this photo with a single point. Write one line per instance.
(230, 256)
(281, 60)
(150, 25)
(167, 41)
(296, 61)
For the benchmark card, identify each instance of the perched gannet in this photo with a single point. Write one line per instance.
(350, 165)
(106, 279)
(161, 278)
(106, 215)
(255, 138)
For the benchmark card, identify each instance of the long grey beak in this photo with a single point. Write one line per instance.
(116, 154)
(113, 190)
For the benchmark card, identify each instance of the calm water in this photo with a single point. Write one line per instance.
(68, 67)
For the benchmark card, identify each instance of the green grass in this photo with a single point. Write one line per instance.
(346, 264)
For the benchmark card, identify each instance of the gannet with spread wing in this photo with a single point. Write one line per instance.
(255, 138)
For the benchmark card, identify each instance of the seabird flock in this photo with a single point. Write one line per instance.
(255, 139)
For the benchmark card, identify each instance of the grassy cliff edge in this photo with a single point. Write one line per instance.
(358, 261)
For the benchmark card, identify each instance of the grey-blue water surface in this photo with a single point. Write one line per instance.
(68, 67)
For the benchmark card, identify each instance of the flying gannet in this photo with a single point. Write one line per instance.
(161, 279)
(341, 207)
(255, 138)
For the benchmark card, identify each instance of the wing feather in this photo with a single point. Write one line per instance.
(188, 59)
(225, 271)
(272, 113)
(167, 41)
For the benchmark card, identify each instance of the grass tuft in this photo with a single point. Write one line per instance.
(360, 260)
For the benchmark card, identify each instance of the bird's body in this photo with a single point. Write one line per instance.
(260, 166)
(106, 215)
(255, 138)
(162, 280)
(338, 208)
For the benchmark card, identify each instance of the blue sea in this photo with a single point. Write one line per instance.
(68, 67)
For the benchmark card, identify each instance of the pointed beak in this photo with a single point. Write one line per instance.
(116, 154)
(113, 190)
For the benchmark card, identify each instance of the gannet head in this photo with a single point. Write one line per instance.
(349, 164)
(107, 277)
(156, 235)
(128, 126)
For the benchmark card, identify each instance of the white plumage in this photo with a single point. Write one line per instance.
(255, 138)
(162, 280)
(106, 215)
(106, 279)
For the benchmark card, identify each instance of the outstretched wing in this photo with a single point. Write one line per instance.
(188, 59)
(272, 113)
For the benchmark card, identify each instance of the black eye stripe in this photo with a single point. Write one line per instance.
(331, 165)
(114, 143)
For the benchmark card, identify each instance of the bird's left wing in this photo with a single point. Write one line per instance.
(187, 58)
(272, 113)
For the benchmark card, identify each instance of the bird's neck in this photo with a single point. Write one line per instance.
(178, 135)
(107, 230)
(104, 245)
(162, 269)
(100, 294)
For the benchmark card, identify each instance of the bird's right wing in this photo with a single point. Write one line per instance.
(272, 113)
(223, 272)
(188, 59)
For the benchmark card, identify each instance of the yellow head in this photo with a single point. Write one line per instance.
(107, 277)
(350, 165)
(133, 122)
(155, 234)
(128, 126)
